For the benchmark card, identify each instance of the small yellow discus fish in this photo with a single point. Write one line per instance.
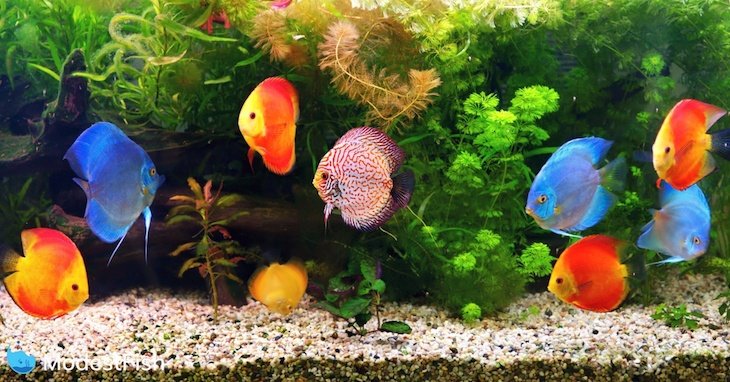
(279, 286)
(49, 279)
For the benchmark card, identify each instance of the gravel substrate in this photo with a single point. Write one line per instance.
(250, 343)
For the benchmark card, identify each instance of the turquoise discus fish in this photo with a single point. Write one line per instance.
(358, 176)
(119, 180)
(681, 228)
(569, 193)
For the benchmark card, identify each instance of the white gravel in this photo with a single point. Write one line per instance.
(178, 329)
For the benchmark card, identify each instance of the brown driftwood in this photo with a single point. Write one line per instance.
(272, 219)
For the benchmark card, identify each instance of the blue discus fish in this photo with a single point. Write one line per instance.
(681, 228)
(569, 194)
(119, 180)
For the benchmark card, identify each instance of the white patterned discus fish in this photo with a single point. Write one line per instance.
(358, 177)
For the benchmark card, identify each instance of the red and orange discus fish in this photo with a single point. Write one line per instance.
(49, 279)
(358, 176)
(268, 123)
(681, 151)
(590, 274)
(279, 286)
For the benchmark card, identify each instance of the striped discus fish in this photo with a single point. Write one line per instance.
(357, 177)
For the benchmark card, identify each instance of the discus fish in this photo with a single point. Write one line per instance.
(590, 274)
(268, 123)
(358, 177)
(569, 194)
(49, 279)
(279, 286)
(681, 228)
(681, 151)
(119, 179)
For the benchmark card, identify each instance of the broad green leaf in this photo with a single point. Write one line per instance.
(378, 286)
(363, 318)
(249, 60)
(363, 289)
(395, 327)
(367, 268)
(181, 218)
(217, 81)
(354, 306)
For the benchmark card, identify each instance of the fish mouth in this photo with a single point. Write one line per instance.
(531, 212)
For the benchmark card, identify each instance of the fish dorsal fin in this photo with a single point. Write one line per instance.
(379, 140)
(278, 88)
(591, 148)
(91, 145)
(8, 261)
(711, 112)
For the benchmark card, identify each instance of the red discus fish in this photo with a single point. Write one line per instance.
(590, 274)
(49, 279)
(268, 123)
(358, 177)
(681, 151)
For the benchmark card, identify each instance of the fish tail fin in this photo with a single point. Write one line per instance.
(721, 143)
(613, 175)
(251, 153)
(403, 185)
(8, 260)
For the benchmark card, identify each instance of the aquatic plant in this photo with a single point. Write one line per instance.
(20, 207)
(677, 316)
(214, 259)
(469, 226)
(355, 292)
(160, 68)
(36, 37)
(388, 96)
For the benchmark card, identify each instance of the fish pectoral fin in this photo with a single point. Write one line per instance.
(582, 287)
(599, 206)
(559, 232)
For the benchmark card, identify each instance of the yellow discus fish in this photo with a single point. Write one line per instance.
(49, 279)
(279, 286)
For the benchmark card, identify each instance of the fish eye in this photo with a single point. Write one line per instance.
(325, 176)
(153, 171)
(252, 115)
(542, 199)
(559, 280)
(696, 240)
(667, 150)
(75, 286)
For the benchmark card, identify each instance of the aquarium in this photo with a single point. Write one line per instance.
(364, 190)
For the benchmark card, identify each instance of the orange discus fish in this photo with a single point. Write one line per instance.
(268, 123)
(681, 149)
(49, 279)
(590, 275)
(279, 286)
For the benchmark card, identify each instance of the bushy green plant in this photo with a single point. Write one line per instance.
(21, 207)
(470, 223)
(212, 258)
(677, 316)
(355, 292)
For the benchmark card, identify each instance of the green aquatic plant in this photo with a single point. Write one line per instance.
(214, 259)
(724, 308)
(677, 316)
(20, 207)
(160, 69)
(467, 238)
(36, 37)
(355, 293)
